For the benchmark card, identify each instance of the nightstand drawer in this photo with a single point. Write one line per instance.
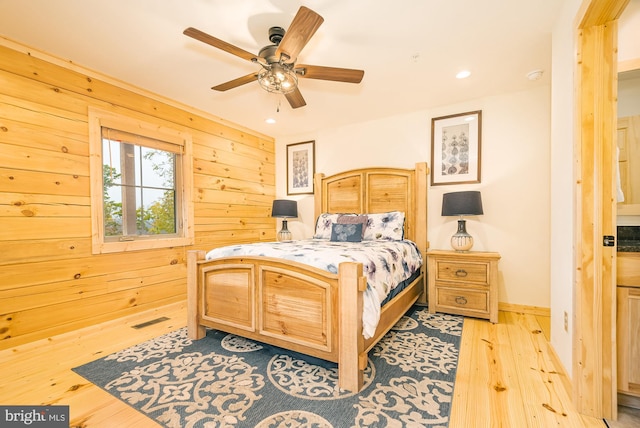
(452, 298)
(476, 273)
(463, 283)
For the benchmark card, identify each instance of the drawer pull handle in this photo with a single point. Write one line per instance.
(461, 300)
(461, 273)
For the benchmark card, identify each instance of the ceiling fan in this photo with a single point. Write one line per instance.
(279, 72)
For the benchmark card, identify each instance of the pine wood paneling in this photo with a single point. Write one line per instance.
(36, 182)
(44, 295)
(20, 157)
(37, 250)
(50, 282)
(27, 274)
(232, 163)
(248, 171)
(221, 210)
(25, 227)
(230, 184)
(42, 137)
(30, 205)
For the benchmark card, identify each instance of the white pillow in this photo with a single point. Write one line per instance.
(323, 225)
(386, 226)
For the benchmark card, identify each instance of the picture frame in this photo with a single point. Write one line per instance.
(300, 168)
(456, 148)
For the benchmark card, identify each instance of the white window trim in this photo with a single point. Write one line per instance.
(102, 118)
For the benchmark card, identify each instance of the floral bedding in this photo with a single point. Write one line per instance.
(385, 264)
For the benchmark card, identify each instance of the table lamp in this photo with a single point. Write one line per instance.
(284, 209)
(462, 204)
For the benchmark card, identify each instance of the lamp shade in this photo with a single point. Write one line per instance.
(284, 208)
(462, 203)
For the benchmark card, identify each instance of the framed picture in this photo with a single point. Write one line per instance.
(300, 168)
(455, 148)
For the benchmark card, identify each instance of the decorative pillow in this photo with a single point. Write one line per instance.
(388, 226)
(346, 232)
(354, 219)
(323, 225)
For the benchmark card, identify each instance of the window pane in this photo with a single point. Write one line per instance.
(139, 189)
(111, 161)
(156, 211)
(112, 211)
(158, 167)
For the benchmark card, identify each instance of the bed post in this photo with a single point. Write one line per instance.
(352, 359)
(194, 330)
(317, 195)
(422, 171)
(420, 232)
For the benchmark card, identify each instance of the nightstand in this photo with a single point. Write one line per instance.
(463, 283)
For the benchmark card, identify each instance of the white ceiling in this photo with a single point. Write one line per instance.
(410, 51)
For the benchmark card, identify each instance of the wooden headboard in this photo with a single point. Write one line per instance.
(376, 190)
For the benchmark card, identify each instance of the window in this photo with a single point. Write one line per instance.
(142, 198)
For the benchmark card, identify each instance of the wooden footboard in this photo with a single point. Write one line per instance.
(283, 303)
(290, 305)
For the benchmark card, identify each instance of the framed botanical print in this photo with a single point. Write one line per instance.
(455, 148)
(300, 168)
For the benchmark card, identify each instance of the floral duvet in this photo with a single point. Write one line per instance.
(385, 264)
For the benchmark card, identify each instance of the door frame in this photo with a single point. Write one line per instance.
(594, 350)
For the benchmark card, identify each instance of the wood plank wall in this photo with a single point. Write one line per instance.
(50, 282)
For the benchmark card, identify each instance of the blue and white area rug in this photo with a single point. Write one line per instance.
(223, 380)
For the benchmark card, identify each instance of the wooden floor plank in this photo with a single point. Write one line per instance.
(545, 399)
(470, 401)
(505, 389)
(507, 375)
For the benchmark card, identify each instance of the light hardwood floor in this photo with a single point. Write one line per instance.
(507, 376)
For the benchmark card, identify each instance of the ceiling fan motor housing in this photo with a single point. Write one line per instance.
(276, 34)
(269, 54)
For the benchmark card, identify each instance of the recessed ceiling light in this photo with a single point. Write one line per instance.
(270, 120)
(463, 74)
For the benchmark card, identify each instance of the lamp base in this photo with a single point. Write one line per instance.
(461, 241)
(284, 235)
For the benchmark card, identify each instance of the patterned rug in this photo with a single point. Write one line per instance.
(227, 381)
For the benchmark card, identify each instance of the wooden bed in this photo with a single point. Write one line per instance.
(302, 308)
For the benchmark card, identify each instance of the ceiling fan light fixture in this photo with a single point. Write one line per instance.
(278, 79)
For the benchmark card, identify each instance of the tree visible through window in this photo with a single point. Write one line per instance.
(139, 188)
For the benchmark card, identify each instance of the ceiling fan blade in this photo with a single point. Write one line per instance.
(236, 82)
(217, 43)
(302, 28)
(348, 75)
(295, 99)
